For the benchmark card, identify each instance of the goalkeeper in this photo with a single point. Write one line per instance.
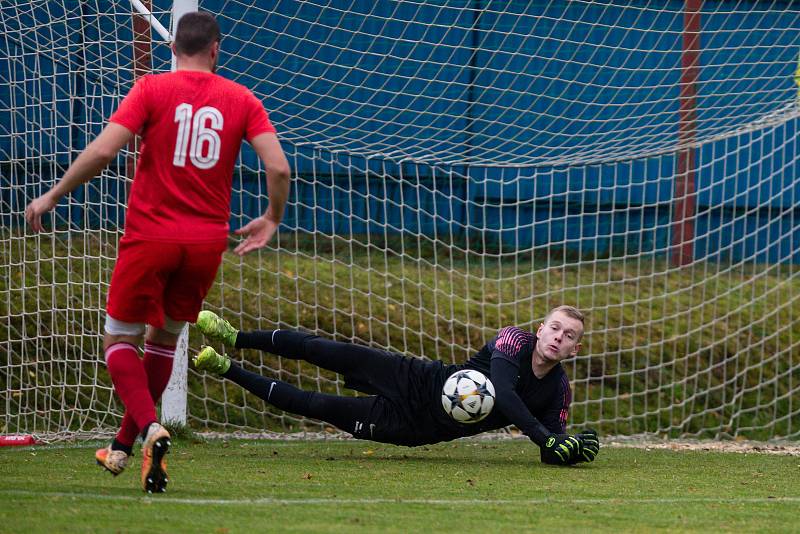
(403, 404)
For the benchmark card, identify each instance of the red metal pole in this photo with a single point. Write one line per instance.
(684, 197)
(142, 64)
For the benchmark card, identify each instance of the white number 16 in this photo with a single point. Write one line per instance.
(203, 136)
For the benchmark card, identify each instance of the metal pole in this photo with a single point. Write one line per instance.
(173, 401)
(684, 192)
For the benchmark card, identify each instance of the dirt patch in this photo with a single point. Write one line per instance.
(737, 446)
(787, 448)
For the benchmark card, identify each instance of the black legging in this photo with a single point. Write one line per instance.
(343, 358)
(351, 414)
(346, 413)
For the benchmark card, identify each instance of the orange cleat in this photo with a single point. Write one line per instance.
(154, 466)
(112, 461)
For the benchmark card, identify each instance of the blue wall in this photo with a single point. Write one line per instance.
(418, 80)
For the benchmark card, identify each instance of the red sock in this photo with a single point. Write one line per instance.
(130, 382)
(157, 363)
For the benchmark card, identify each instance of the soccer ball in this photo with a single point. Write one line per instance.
(468, 396)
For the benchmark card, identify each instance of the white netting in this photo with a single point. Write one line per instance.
(458, 167)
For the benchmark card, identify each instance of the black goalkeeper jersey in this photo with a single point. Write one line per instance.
(537, 406)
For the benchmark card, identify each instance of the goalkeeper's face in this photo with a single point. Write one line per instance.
(559, 337)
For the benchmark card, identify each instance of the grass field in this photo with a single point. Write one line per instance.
(354, 486)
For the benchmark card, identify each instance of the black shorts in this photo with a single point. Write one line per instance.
(407, 407)
(404, 406)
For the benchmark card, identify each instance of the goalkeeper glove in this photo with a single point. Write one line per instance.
(590, 446)
(560, 449)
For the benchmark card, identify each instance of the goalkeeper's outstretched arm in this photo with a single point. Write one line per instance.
(557, 448)
(504, 378)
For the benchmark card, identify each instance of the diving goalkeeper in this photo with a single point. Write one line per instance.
(403, 404)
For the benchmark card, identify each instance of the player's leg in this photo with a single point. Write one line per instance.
(183, 285)
(129, 376)
(135, 298)
(159, 353)
(121, 341)
(365, 369)
(343, 358)
(124, 328)
(351, 414)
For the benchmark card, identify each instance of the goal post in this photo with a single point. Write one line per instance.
(458, 167)
(173, 401)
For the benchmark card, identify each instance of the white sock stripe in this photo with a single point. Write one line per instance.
(159, 350)
(162, 354)
(119, 346)
(158, 347)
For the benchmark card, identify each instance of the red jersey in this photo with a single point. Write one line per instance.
(192, 126)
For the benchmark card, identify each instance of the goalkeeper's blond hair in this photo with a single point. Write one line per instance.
(569, 311)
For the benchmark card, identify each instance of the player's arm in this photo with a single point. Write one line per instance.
(259, 231)
(560, 449)
(556, 448)
(504, 378)
(509, 350)
(86, 166)
(555, 419)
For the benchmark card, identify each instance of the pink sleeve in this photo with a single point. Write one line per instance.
(257, 118)
(511, 341)
(132, 111)
(566, 400)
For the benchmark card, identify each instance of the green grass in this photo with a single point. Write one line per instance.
(354, 486)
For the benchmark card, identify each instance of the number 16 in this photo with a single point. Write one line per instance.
(201, 135)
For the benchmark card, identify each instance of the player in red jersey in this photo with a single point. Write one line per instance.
(192, 123)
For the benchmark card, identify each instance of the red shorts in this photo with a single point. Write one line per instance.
(152, 278)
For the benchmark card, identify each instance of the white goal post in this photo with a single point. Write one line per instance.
(457, 167)
(173, 401)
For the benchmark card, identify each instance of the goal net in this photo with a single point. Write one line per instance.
(457, 167)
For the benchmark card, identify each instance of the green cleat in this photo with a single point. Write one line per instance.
(211, 361)
(215, 327)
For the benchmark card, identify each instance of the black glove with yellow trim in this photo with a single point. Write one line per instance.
(561, 449)
(590, 446)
